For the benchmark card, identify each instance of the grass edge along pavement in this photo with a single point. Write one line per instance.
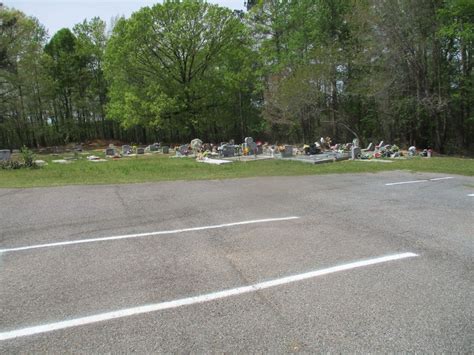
(160, 168)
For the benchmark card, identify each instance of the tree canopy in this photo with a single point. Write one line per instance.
(286, 71)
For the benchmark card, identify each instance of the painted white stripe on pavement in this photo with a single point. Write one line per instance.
(472, 195)
(405, 182)
(195, 299)
(443, 178)
(417, 181)
(128, 236)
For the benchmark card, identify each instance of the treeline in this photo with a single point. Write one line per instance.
(285, 71)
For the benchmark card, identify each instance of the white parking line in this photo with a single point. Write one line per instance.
(405, 182)
(443, 178)
(417, 181)
(195, 299)
(93, 240)
(472, 195)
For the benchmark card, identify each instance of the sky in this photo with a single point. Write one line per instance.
(57, 14)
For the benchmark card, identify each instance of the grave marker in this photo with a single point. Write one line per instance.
(288, 152)
(227, 150)
(355, 153)
(126, 149)
(5, 154)
(183, 150)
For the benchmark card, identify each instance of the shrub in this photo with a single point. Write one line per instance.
(28, 157)
(11, 164)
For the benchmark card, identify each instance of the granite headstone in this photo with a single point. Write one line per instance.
(5, 154)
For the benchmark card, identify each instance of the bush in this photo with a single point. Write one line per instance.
(28, 157)
(11, 164)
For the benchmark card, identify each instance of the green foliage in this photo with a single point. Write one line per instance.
(173, 67)
(11, 165)
(21, 42)
(28, 157)
(285, 70)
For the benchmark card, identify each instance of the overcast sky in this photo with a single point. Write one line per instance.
(56, 14)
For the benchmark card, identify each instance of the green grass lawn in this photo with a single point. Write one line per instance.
(162, 168)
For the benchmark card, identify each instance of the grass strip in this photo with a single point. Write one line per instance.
(162, 168)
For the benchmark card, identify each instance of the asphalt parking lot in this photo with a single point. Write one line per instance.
(373, 262)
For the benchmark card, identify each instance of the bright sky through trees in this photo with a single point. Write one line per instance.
(57, 14)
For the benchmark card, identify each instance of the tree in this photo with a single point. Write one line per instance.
(305, 46)
(456, 34)
(91, 40)
(21, 42)
(411, 75)
(165, 65)
(64, 68)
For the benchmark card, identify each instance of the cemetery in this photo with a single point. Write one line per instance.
(118, 162)
(322, 151)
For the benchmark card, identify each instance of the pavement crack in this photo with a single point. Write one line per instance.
(119, 196)
(297, 343)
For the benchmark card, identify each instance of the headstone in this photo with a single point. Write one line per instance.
(110, 152)
(288, 152)
(227, 150)
(184, 149)
(126, 149)
(40, 163)
(166, 149)
(355, 153)
(248, 140)
(196, 144)
(322, 143)
(78, 148)
(61, 161)
(313, 149)
(355, 142)
(140, 150)
(272, 151)
(251, 145)
(5, 154)
(154, 147)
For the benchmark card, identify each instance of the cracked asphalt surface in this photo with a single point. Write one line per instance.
(420, 304)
